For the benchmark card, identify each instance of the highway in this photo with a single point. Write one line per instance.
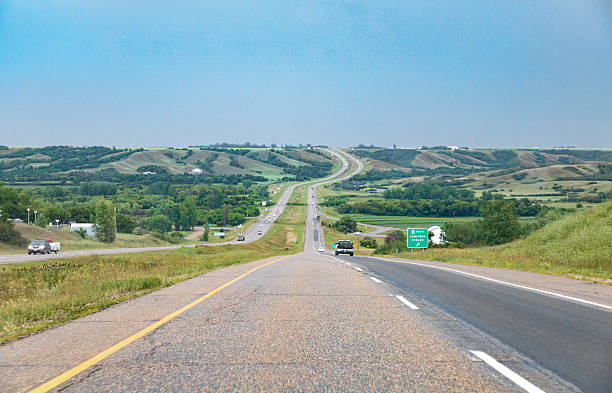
(250, 233)
(316, 322)
(571, 339)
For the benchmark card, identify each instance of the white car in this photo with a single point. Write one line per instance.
(321, 250)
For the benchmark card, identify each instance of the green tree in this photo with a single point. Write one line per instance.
(235, 218)
(499, 222)
(106, 226)
(188, 216)
(42, 220)
(158, 223)
(125, 223)
(346, 225)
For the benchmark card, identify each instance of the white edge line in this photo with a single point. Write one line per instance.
(359, 269)
(506, 372)
(406, 302)
(375, 279)
(504, 283)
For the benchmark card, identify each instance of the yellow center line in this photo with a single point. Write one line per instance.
(109, 351)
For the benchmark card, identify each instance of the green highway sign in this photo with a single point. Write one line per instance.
(417, 238)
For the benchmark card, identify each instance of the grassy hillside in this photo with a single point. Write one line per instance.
(582, 239)
(578, 245)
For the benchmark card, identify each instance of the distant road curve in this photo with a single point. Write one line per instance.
(250, 233)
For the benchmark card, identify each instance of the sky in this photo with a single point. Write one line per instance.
(520, 73)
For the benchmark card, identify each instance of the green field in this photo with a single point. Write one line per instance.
(403, 222)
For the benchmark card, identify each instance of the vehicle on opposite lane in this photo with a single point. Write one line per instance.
(39, 246)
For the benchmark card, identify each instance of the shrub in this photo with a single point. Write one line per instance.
(10, 235)
(368, 243)
(346, 225)
(81, 232)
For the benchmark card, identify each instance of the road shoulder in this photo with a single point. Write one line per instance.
(593, 292)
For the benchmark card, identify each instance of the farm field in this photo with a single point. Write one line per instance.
(403, 222)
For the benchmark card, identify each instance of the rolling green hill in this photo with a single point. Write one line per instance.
(558, 177)
(581, 239)
(70, 165)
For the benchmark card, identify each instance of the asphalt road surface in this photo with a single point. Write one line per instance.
(316, 322)
(571, 339)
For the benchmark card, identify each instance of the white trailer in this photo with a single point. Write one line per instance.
(54, 246)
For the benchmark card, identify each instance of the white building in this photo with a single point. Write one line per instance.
(89, 228)
(438, 234)
(196, 171)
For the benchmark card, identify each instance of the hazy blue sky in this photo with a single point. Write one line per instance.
(153, 73)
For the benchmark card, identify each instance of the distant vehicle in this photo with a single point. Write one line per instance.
(240, 237)
(344, 247)
(41, 246)
(321, 250)
(259, 233)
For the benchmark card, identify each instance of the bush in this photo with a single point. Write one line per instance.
(499, 222)
(368, 243)
(394, 241)
(463, 233)
(10, 235)
(346, 225)
(81, 232)
(158, 223)
(125, 223)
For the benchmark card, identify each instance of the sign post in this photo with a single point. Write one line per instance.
(417, 238)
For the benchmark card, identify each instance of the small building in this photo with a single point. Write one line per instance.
(196, 171)
(438, 234)
(89, 228)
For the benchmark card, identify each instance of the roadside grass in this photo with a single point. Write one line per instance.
(577, 245)
(36, 295)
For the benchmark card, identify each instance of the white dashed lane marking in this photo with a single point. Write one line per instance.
(359, 269)
(506, 372)
(406, 302)
(375, 279)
